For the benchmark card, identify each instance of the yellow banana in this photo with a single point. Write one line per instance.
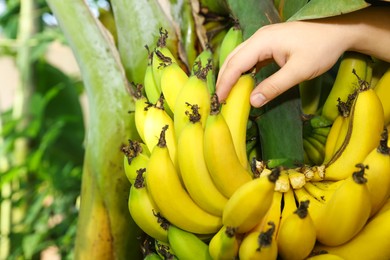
(345, 83)
(383, 92)
(194, 172)
(371, 243)
(173, 79)
(325, 256)
(161, 56)
(133, 159)
(230, 41)
(289, 206)
(187, 245)
(170, 196)
(333, 135)
(378, 173)
(297, 236)
(193, 92)
(144, 210)
(156, 118)
(259, 245)
(224, 244)
(206, 57)
(152, 92)
(220, 156)
(347, 211)
(316, 208)
(235, 110)
(364, 132)
(322, 195)
(273, 214)
(141, 102)
(327, 185)
(250, 203)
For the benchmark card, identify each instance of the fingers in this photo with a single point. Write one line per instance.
(285, 78)
(242, 59)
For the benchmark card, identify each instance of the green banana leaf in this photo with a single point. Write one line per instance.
(320, 8)
(273, 120)
(137, 24)
(105, 229)
(287, 8)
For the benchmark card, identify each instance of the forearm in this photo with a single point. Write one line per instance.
(369, 31)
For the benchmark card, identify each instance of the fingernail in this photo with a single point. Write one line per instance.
(258, 99)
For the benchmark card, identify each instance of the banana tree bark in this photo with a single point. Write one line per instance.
(105, 229)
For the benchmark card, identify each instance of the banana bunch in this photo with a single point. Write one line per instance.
(197, 193)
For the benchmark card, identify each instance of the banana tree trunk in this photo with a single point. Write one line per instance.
(105, 228)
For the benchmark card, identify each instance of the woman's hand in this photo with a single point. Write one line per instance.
(303, 50)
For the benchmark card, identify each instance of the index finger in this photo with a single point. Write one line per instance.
(241, 60)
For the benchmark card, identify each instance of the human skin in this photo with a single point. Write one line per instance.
(304, 50)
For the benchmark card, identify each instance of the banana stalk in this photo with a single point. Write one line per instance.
(105, 229)
(285, 111)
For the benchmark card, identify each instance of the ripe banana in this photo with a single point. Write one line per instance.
(224, 244)
(219, 154)
(274, 213)
(250, 203)
(194, 172)
(231, 40)
(133, 159)
(259, 245)
(193, 92)
(187, 245)
(205, 57)
(289, 206)
(383, 92)
(173, 78)
(345, 83)
(297, 236)
(316, 208)
(364, 132)
(156, 118)
(144, 210)
(162, 55)
(141, 102)
(371, 243)
(347, 211)
(322, 195)
(325, 256)
(335, 133)
(170, 196)
(235, 110)
(151, 90)
(378, 173)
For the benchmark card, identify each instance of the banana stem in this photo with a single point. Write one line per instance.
(105, 229)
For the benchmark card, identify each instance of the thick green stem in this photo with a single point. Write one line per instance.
(105, 228)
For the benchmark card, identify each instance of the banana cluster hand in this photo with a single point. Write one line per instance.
(199, 194)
